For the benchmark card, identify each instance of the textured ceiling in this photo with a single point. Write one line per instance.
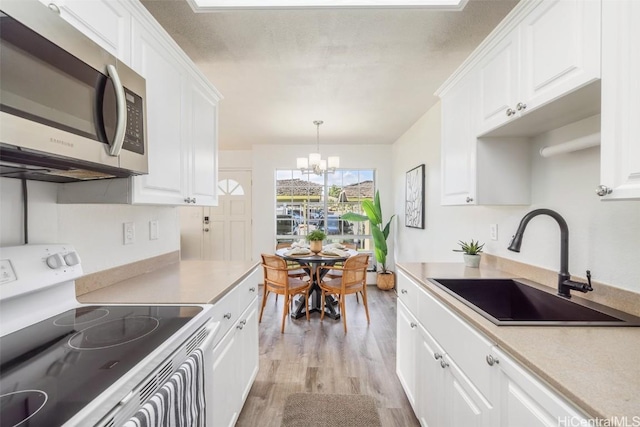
(369, 74)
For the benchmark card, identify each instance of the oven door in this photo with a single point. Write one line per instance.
(143, 401)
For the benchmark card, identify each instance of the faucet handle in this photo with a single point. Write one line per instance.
(588, 287)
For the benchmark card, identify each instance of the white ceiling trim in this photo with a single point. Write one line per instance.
(216, 5)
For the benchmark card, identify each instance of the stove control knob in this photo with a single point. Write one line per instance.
(72, 258)
(55, 261)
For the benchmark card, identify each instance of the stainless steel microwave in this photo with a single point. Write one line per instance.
(69, 110)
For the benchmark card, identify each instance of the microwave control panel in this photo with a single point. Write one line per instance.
(134, 135)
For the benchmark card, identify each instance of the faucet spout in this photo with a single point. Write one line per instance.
(565, 284)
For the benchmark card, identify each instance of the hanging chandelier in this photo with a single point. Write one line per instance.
(314, 163)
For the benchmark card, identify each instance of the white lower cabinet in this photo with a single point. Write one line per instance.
(235, 366)
(454, 376)
(406, 352)
(524, 401)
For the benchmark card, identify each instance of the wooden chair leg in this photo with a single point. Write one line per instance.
(366, 306)
(306, 302)
(357, 299)
(285, 311)
(264, 302)
(343, 313)
(322, 302)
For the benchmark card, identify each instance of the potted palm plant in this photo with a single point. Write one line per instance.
(471, 252)
(380, 232)
(315, 239)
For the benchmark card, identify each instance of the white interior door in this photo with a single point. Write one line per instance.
(223, 232)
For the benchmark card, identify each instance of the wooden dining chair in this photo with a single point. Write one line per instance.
(278, 281)
(352, 281)
(337, 272)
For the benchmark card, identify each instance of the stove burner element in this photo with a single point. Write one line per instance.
(113, 333)
(81, 316)
(19, 406)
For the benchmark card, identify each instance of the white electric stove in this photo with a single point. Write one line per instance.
(64, 363)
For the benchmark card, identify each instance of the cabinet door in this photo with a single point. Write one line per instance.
(430, 381)
(105, 22)
(620, 150)
(224, 383)
(464, 405)
(165, 183)
(406, 352)
(524, 401)
(499, 83)
(201, 115)
(458, 144)
(560, 49)
(249, 350)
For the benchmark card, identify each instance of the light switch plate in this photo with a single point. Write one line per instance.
(129, 233)
(493, 231)
(154, 230)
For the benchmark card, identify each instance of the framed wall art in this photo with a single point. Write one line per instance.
(414, 198)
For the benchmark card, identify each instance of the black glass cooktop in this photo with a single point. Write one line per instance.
(50, 370)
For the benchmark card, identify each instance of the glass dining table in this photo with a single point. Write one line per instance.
(311, 263)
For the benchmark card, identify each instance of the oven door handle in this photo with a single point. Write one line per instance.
(212, 331)
(121, 112)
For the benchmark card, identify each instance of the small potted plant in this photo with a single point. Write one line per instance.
(315, 239)
(471, 252)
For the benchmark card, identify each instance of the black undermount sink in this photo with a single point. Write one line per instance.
(509, 302)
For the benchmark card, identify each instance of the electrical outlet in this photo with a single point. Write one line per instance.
(493, 231)
(129, 233)
(154, 230)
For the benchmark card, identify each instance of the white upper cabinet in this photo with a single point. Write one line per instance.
(479, 171)
(181, 109)
(165, 182)
(545, 51)
(105, 22)
(201, 118)
(620, 128)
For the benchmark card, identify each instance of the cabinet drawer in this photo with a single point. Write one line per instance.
(408, 292)
(463, 343)
(227, 311)
(248, 288)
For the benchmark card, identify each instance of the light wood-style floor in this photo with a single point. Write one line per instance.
(317, 357)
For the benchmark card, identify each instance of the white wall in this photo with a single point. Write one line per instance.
(268, 158)
(94, 230)
(600, 233)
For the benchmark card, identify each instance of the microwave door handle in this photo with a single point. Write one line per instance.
(121, 112)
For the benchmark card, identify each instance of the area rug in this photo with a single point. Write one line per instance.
(318, 409)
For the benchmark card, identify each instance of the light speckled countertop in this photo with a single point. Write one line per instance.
(185, 282)
(598, 368)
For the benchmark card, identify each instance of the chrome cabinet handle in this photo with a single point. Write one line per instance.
(121, 112)
(443, 364)
(437, 356)
(469, 199)
(206, 229)
(413, 325)
(187, 200)
(240, 326)
(243, 322)
(603, 190)
(227, 316)
(521, 106)
(193, 200)
(403, 291)
(54, 7)
(252, 289)
(510, 112)
(492, 360)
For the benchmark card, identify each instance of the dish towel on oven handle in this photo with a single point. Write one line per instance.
(179, 402)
